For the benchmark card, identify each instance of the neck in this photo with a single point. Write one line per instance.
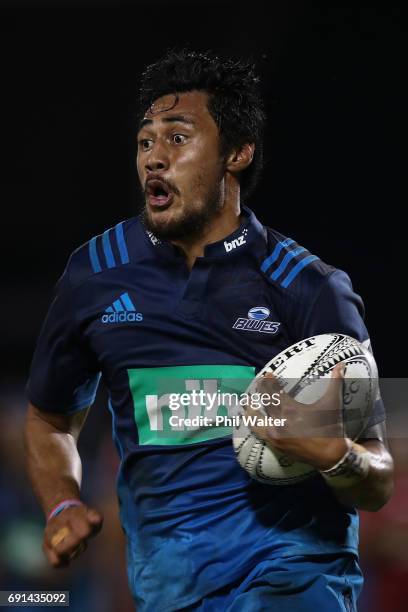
(220, 226)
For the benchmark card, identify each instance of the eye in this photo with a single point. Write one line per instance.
(179, 138)
(145, 144)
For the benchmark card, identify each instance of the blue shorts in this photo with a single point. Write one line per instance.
(316, 583)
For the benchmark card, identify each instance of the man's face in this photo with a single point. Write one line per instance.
(180, 166)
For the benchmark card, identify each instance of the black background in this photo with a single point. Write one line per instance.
(333, 80)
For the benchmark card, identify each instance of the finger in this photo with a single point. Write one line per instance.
(268, 381)
(64, 537)
(59, 535)
(52, 557)
(57, 539)
(82, 527)
(338, 371)
(88, 525)
(260, 431)
(64, 541)
(83, 522)
(78, 551)
(96, 520)
(335, 388)
(328, 415)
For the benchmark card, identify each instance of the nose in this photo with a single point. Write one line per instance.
(157, 158)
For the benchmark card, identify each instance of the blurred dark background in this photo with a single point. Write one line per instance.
(333, 80)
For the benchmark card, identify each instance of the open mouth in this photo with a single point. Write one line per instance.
(158, 193)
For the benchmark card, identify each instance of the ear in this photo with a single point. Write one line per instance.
(239, 159)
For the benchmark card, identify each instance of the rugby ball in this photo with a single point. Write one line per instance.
(303, 370)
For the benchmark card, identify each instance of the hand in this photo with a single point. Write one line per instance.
(313, 433)
(66, 535)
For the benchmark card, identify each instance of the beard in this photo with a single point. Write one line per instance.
(192, 222)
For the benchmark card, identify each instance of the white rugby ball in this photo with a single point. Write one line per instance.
(303, 371)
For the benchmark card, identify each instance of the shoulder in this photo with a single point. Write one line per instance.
(314, 296)
(301, 278)
(105, 251)
(292, 269)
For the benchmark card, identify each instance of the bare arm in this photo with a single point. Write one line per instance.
(368, 488)
(55, 471)
(53, 462)
(372, 492)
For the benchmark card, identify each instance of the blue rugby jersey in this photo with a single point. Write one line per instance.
(128, 308)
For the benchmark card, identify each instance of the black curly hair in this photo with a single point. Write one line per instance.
(234, 102)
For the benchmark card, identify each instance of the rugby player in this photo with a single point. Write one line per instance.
(160, 303)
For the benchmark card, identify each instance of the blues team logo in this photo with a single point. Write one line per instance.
(259, 313)
(122, 311)
(257, 321)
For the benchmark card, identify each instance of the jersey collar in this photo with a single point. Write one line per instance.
(250, 236)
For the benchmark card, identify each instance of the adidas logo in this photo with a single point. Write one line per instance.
(122, 311)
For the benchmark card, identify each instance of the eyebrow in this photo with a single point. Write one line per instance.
(172, 119)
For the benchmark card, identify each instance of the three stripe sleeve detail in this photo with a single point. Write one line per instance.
(120, 239)
(105, 245)
(93, 255)
(285, 263)
(107, 249)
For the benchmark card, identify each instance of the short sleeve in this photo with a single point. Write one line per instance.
(338, 309)
(64, 374)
